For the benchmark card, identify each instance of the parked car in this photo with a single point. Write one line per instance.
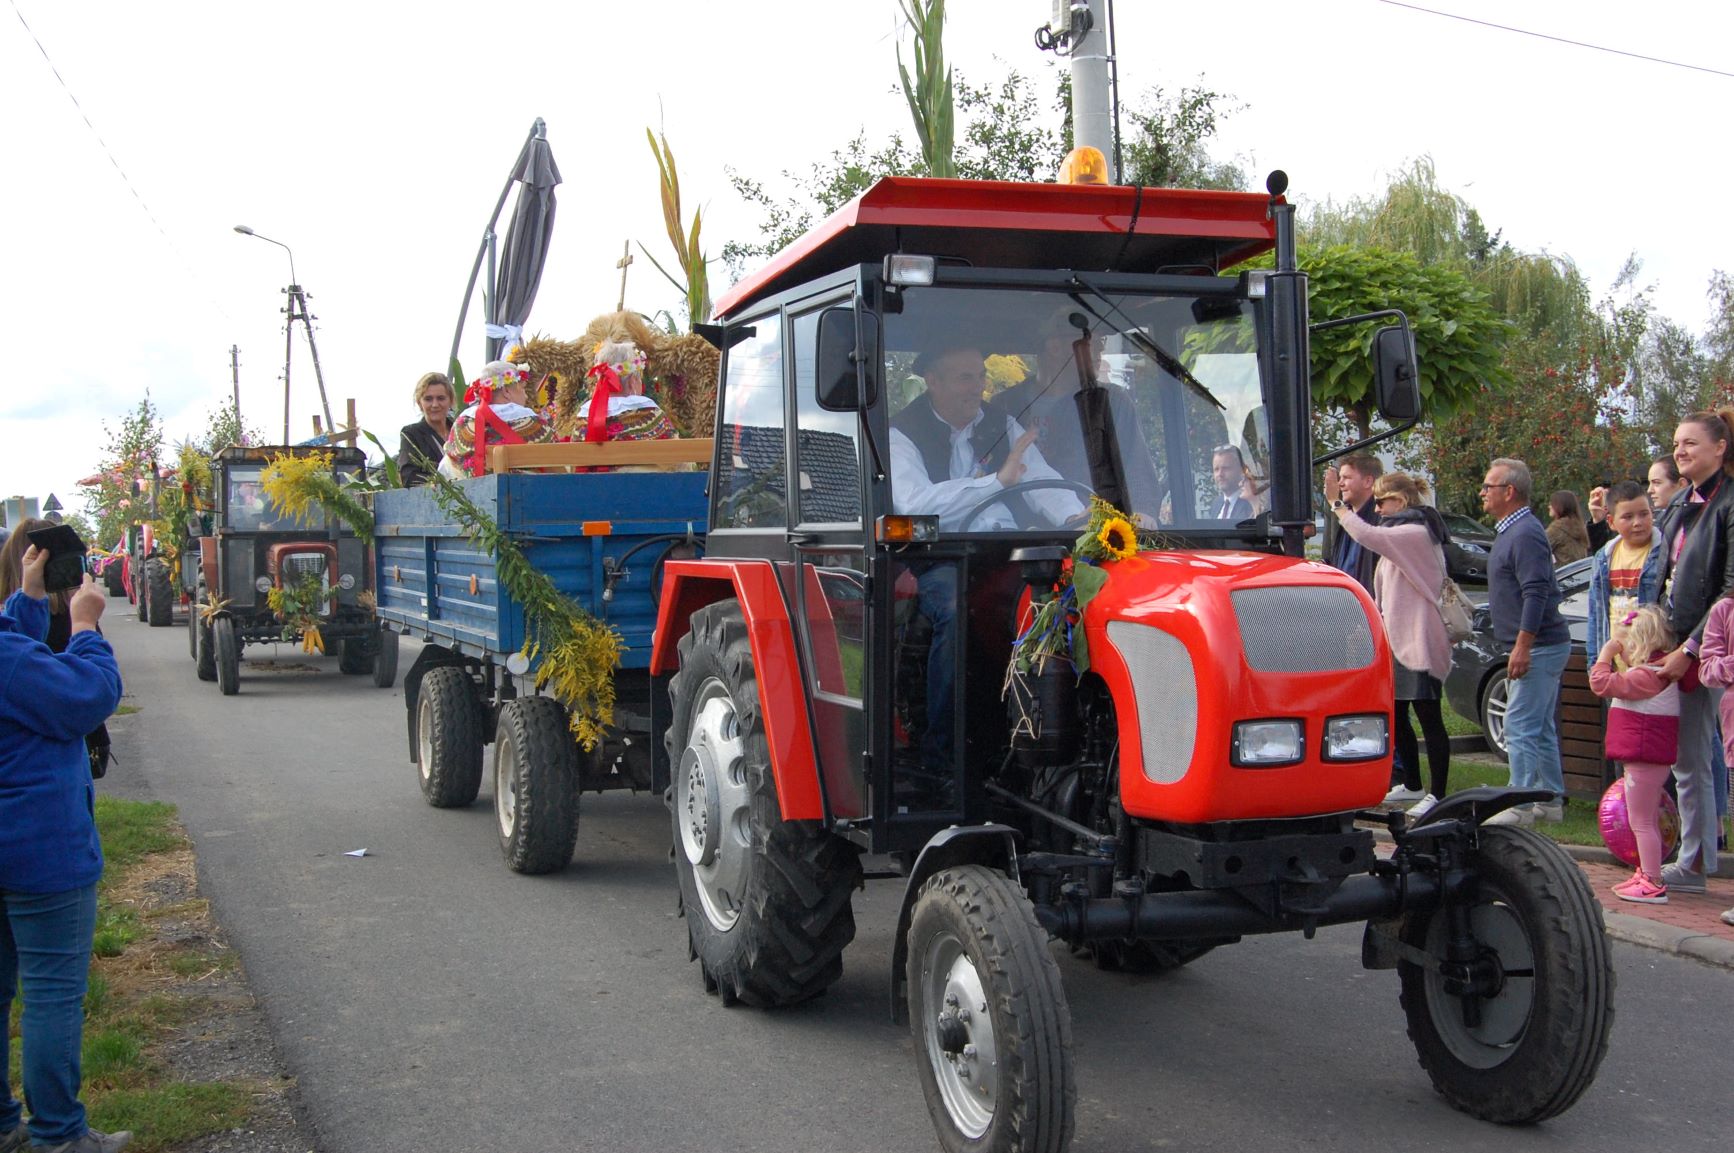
(1466, 555)
(1476, 686)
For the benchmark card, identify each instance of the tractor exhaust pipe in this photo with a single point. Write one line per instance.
(1227, 913)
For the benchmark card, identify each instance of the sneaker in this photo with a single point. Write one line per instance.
(1551, 811)
(1422, 807)
(1642, 891)
(17, 1137)
(92, 1142)
(1403, 795)
(1521, 815)
(1674, 877)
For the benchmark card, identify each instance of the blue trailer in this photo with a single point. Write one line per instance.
(602, 537)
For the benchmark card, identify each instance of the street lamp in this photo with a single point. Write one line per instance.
(297, 310)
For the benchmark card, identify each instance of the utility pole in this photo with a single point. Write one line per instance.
(235, 378)
(1092, 107)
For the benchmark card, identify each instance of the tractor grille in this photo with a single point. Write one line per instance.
(298, 566)
(1167, 694)
(1303, 630)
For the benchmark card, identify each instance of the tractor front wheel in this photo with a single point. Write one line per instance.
(160, 591)
(448, 726)
(1527, 1042)
(993, 1036)
(228, 655)
(204, 646)
(535, 786)
(766, 900)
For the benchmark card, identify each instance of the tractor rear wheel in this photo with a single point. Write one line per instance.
(1527, 1049)
(160, 591)
(227, 648)
(448, 726)
(993, 1035)
(535, 786)
(385, 660)
(766, 900)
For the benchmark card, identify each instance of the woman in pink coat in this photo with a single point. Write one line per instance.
(1409, 540)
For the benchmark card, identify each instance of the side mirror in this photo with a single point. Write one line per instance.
(1395, 378)
(845, 381)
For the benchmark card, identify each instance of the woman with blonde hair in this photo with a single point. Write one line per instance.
(1409, 541)
(422, 443)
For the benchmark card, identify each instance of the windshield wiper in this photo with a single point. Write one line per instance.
(1167, 360)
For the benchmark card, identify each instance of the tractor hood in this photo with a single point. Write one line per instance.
(1193, 645)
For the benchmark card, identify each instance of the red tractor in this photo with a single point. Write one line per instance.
(842, 674)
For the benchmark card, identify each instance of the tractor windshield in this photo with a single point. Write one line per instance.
(982, 382)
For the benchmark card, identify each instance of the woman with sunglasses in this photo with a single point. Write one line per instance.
(1410, 541)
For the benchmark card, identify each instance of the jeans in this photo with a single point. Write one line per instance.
(1531, 721)
(936, 599)
(1693, 770)
(45, 942)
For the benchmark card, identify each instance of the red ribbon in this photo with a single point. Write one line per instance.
(478, 389)
(607, 388)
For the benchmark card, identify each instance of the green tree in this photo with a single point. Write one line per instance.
(1168, 146)
(126, 470)
(224, 427)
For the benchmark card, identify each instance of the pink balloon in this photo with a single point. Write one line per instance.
(1616, 829)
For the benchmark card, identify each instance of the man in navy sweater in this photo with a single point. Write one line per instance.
(1523, 600)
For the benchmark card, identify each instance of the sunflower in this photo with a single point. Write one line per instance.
(1118, 538)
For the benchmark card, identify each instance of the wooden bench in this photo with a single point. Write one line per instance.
(659, 454)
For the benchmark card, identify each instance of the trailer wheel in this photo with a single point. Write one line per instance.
(160, 591)
(355, 658)
(448, 725)
(535, 786)
(1531, 1048)
(385, 660)
(204, 655)
(227, 648)
(766, 900)
(993, 1035)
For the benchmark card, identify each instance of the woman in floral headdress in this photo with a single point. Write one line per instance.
(505, 387)
(624, 412)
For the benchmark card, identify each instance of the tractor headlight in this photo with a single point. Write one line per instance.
(263, 584)
(1264, 744)
(346, 581)
(1358, 738)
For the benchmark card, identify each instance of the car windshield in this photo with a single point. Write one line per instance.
(970, 371)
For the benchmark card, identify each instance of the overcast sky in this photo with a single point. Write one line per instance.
(374, 139)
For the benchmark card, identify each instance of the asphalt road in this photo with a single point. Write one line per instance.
(429, 1000)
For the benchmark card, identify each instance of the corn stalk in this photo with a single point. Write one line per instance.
(686, 246)
(929, 94)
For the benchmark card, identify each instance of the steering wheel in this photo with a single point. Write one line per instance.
(1023, 486)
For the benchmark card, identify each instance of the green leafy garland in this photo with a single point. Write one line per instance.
(578, 652)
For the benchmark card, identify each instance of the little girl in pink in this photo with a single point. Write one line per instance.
(1643, 735)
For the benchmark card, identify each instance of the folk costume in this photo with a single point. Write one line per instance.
(616, 408)
(506, 422)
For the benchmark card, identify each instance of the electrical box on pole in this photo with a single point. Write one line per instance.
(1078, 29)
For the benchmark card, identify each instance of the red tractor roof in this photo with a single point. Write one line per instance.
(994, 224)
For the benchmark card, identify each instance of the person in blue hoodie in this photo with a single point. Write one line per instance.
(50, 858)
(1625, 573)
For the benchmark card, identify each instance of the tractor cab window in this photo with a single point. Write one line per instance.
(248, 509)
(988, 433)
(752, 469)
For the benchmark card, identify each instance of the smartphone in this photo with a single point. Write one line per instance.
(66, 557)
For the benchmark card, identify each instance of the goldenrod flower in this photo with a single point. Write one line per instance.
(1118, 539)
(1005, 371)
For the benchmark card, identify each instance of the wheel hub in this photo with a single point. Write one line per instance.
(701, 812)
(960, 1037)
(713, 805)
(506, 787)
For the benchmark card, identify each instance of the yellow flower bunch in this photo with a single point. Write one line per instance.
(1005, 371)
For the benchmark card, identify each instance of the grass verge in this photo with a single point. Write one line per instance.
(152, 953)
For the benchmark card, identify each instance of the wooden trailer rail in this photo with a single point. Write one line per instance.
(661, 454)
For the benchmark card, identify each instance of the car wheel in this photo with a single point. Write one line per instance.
(1494, 700)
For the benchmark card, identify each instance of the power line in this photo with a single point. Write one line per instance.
(1558, 39)
(106, 151)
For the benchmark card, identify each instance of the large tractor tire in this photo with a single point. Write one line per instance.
(385, 660)
(448, 723)
(355, 656)
(160, 592)
(1529, 1050)
(111, 579)
(766, 901)
(535, 786)
(227, 648)
(993, 1035)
